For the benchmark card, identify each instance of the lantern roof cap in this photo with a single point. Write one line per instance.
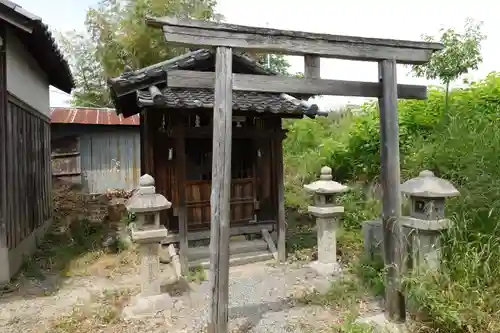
(428, 185)
(326, 184)
(146, 200)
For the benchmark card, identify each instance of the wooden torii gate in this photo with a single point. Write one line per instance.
(225, 38)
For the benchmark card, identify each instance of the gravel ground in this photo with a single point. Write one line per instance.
(261, 299)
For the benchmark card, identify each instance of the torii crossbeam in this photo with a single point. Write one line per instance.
(225, 38)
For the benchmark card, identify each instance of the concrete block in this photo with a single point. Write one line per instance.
(373, 238)
(380, 324)
(142, 307)
(325, 269)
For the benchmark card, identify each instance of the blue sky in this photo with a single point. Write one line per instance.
(383, 18)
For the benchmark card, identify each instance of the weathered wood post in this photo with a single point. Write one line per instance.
(327, 214)
(427, 194)
(280, 174)
(391, 197)
(221, 191)
(180, 164)
(146, 202)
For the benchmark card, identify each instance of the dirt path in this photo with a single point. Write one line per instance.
(263, 298)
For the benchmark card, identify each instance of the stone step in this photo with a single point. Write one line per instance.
(237, 259)
(239, 247)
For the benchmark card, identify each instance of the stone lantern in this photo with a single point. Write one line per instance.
(427, 194)
(327, 214)
(144, 203)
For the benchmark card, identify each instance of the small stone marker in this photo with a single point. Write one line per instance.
(146, 201)
(327, 214)
(427, 194)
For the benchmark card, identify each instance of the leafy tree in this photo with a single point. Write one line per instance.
(461, 53)
(274, 62)
(118, 36)
(121, 37)
(90, 90)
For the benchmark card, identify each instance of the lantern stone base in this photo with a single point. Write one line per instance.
(142, 307)
(325, 269)
(380, 324)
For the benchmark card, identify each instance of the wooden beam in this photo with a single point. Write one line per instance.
(147, 140)
(180, 166)
(221, 192)
(25, 26)
(391, 198)
(280, 183)
(234, 231)
(202, 33)
(200, 132)
(270, 243)
(269, 83)
(312, 67)
(291, 85)
(142, 142)
(4, 180)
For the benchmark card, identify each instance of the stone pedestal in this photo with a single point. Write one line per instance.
(327, 215)
(150, 301)
(425, 242)
(327, 245)
(150, 269)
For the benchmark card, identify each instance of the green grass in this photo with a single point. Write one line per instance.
(62, 244)
(196, 274)
(342, 294)
(74, 248)
(371, 273)
(346, 298)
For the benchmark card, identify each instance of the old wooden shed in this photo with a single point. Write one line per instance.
(96, 148)
(176, 143)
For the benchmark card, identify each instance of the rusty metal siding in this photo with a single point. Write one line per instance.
(90, 116)
(110, 159)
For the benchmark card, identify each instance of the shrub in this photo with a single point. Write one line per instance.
(461, 146)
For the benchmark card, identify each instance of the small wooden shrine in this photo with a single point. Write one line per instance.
(176, 142)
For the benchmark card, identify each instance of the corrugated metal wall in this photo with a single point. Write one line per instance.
(109, 155)
(110, 160)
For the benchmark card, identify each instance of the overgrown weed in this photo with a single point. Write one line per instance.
(62, 244)
(196, 274)
(462, 148)
(76, 248)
